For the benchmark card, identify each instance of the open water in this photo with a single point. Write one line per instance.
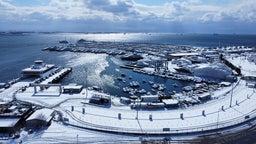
(20, 50)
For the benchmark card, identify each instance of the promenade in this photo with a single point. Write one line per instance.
(210, 116)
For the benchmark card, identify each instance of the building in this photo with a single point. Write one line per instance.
(204, 97)
(180, 55)
(9, 124)
(150, 98)
(13, 115)
(72, 88)
(100, 99)
(170, 103)
(40, 118)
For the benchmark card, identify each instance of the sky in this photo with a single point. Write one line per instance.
(168, 16)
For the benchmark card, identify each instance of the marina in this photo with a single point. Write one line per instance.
(161, 94)
(127, 71)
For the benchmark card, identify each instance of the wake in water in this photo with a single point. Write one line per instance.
(93, 64)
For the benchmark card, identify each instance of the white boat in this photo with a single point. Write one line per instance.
(155, 86)
(126, 89)
(142, 91)
(39, 69)
(134, 84)
(175, 85)
(161, 88)
(151, 82)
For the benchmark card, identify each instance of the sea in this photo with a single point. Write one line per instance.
(19, 50)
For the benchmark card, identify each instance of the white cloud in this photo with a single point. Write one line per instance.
(237, 12)
(128, 9)
(127, 13)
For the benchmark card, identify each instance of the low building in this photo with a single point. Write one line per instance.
(204, 97)
(72, 88)
(13, 115)
(125, 100)
(180, 55)
(9, 124)
(170, 103)
(150, 98)
(40, 118)
(100, 99)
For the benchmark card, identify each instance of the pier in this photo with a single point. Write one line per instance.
(58, 75)
(129, 66)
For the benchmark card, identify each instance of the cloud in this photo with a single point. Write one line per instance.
(128, 15)
(6, 9)
(113, 6)
(244, 11)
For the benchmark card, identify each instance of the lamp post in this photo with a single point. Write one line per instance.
(231, 96)
(137, 109)
(218, 119)
(86, 83)
(77, 138)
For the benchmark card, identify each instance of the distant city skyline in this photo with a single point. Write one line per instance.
(170, 16)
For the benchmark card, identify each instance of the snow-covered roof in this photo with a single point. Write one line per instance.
(183, 54)
(248, 68)
(42, 114)
(170, 101)
(73, 87)
(214, 71)
(8, 122)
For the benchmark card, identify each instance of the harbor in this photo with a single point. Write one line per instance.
(121, 118)
(184, 91)
(128, 72)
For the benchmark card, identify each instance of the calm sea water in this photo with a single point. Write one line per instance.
(18, 51)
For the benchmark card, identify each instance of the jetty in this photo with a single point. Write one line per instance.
(57, 76)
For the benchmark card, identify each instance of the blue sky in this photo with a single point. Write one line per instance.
(171, 16)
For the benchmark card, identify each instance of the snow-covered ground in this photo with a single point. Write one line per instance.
(217, 114)
(248, 68)
(59, 133)
(106, 118)
(230, 106)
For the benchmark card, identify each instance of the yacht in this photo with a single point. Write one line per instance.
(134, 84)
(39, 69)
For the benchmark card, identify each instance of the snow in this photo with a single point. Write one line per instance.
(132, 121)
(59, 133)
(50, 79)
(215, 71)
(7, 94)
(170, 101)
(42, 114)
(182, 62)
(248, 68)
(8, 122)
(231, 105)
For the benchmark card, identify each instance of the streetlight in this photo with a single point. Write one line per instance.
(137, 109)
(218, 119)
(86, 83)
(231, 96)
(77, 138)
